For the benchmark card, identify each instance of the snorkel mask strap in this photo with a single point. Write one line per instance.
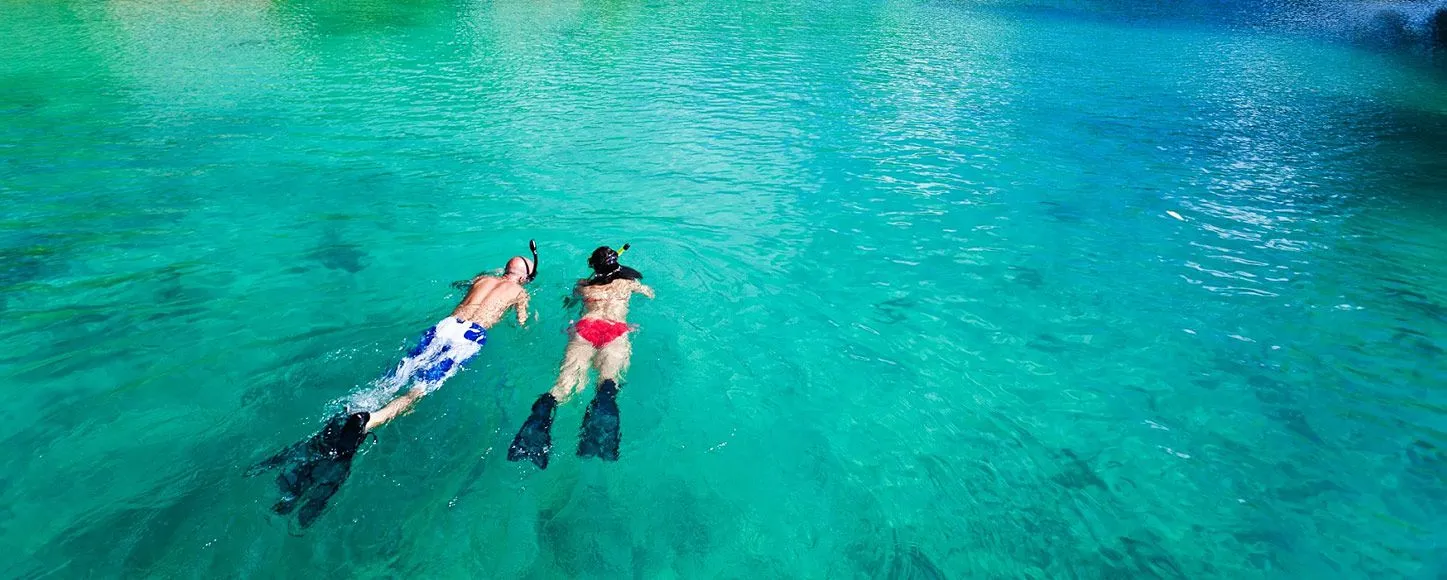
(616, 264)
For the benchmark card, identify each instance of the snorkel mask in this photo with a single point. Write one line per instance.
(606, 268)
(604, 260)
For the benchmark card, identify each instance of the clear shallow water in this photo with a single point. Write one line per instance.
(922, 308)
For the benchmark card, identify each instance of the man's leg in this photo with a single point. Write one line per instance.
(446, 362)
(395, 408)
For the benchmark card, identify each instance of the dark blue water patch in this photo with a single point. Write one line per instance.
(1065, 213)
(133, 541)
(1026, 276)
(1426, 469)
(1042, 538)
(588, 537)
(1401, 27)
(362, 18)
(911, 563)
(1437, 30)
(1049, 343)
(1295, 421)
(1309, 492)
(36, 439)
(1387, 28)
(1397, 151)
(1075, 473)
(31, 257)
(896, 310)
(1284, 403)
(300, 365)
(180, 289)
(1413, 340)
(1266, 543)
(158, 529)
(334, 253)
(1146, 557)
(17, 103)
(1418, 303)
(74, 349)
(7, 510)
(690, 535)
(882, 555)
(346, 257)
(1185, 13)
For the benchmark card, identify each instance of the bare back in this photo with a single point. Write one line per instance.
(489, 298)
(610, 301)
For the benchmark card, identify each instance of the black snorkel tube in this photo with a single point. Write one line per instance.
(533, 271)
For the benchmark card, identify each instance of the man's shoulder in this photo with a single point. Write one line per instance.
(513, 289)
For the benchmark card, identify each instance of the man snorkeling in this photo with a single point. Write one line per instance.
(599, 338)
(446, 346)
(313, 470)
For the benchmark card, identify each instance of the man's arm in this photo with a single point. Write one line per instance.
(522, 306)
(643, 289)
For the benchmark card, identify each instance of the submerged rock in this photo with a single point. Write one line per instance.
(1437, 25)
(1398, 23)
(893, 560)
(1390, 27)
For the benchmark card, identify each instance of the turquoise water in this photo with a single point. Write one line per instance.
(923, 308)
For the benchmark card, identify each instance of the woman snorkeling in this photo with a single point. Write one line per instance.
(598, 339)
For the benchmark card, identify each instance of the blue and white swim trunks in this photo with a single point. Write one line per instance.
(440, 353)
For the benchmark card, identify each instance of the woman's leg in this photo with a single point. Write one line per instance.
(573, 373)
(535, 439)
(599, 436)
(612, 360)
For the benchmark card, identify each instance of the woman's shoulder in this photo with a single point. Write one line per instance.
(615, 288)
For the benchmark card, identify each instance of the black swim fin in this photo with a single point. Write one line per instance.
(313, 470)
(329, 479)
(535, 439)
(599, 435)
(275, 461)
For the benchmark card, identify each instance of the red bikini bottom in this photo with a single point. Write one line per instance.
(600, 332)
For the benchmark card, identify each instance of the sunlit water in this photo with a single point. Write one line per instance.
(944, 289)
